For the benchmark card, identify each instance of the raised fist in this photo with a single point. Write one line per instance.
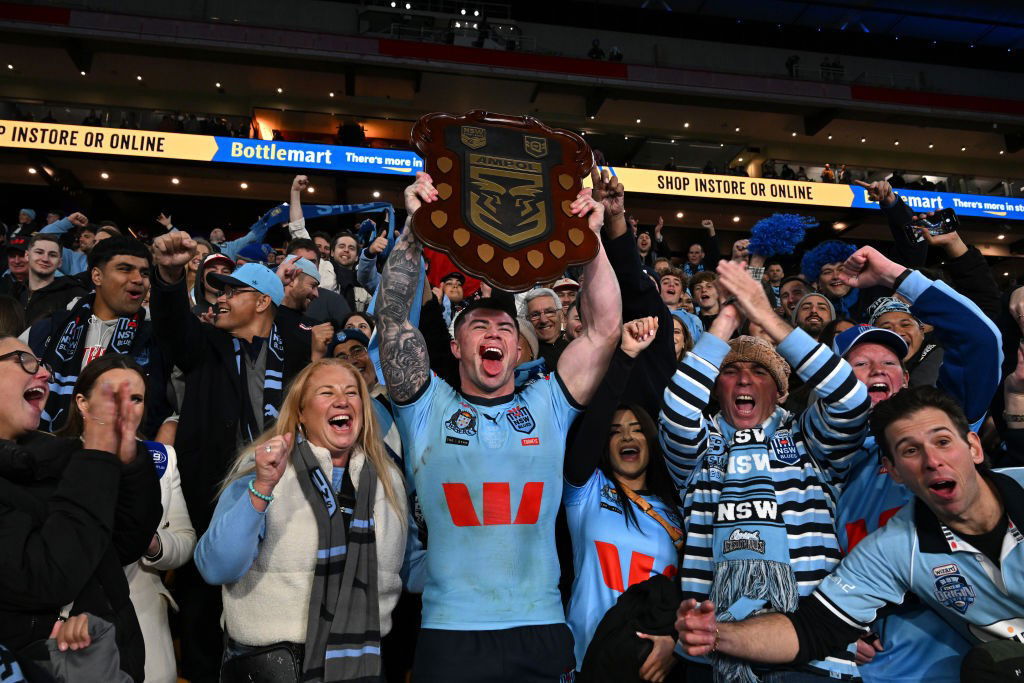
(171, 252)
(300, 183)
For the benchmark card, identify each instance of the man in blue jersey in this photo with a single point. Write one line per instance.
(759, 483)
(958, 548)
(970, 372)
(486, 462)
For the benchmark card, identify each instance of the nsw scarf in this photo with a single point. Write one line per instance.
(343, 633)
(65, 356)
(750, 542)
(272, 379)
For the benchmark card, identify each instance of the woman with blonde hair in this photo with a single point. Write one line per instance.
(308, 538)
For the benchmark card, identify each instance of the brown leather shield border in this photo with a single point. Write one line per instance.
(441, 224)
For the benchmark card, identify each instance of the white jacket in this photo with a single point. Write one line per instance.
(148, 593)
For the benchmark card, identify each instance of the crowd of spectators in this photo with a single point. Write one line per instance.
(347, 462)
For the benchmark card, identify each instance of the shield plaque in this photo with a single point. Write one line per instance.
(505, 185)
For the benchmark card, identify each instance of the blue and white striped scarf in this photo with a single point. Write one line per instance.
(272, 379)
(343, 631)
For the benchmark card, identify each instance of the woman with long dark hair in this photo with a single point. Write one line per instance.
(172, 544)
(620, 507)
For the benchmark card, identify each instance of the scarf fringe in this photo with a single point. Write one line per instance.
(763, 580)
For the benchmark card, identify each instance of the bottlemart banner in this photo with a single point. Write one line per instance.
(704, 186)
(58, 137)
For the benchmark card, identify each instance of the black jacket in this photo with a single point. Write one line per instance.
(53, 297)
(70, 519)
(208, 424)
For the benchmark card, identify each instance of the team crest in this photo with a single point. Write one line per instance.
(521, 419)
(953, 591)
(535, 147)
(609, 498)
(462, 422)
(159, 460)
(473, 137)
(784, 448)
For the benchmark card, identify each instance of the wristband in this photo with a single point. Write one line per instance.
(261, 496)
(899, 280)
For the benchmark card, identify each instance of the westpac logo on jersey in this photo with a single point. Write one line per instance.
(497, 504)
(763, 510)
(641, 567)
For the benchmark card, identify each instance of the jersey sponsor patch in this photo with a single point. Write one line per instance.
(783, 447)
(945, 569)
(741, 539)
(953, 591)
(462, 421)
(530, 441)
(521, 419)
(159, 459)
(456, 441)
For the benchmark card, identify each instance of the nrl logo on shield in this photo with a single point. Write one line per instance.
(473, 137)
(535, 147)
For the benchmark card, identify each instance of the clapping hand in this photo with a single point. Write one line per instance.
(110, 421)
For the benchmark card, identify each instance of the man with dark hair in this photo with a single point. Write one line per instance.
(485, 618)
(45, 292)
(791, 290)
(235, 370)
(72, 261)
(328, 306)
(813, 312)
(323, 243)
(109, 320)
(956, 547)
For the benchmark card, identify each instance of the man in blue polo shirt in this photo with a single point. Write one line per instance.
(958, 547)
(486, 461)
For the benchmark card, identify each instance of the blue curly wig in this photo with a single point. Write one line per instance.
(832, 251)
(779, 233)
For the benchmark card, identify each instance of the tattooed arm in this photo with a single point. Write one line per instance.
(403, 352)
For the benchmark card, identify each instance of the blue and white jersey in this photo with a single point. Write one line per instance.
(609, 556)
(970, 372)
(915, 553)
(488, 476)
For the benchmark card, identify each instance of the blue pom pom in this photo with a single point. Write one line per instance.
(779, 233)
(832, 251)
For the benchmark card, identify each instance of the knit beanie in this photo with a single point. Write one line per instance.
(805, 297)
(886, 304)
(746, 349)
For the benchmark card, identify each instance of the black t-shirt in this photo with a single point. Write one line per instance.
(990, 542)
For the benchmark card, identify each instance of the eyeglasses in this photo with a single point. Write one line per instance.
(230, 292)
(28, 362)
(547, 313)
(354, 352)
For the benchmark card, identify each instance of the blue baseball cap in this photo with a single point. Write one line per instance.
(254, 275)
(349, 334)
(305, 266)
(860, 334)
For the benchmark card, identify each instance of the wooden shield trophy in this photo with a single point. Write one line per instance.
(505, 185)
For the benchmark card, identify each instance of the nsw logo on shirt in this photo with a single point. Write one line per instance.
(783, 447)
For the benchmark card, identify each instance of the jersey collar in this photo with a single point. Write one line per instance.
(935, 537)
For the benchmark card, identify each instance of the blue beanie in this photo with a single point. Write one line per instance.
(30, 212)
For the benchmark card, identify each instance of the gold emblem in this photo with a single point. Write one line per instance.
(506, 199)
(535, 147)
(473, 137)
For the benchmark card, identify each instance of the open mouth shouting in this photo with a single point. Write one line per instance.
(629, 453)
(492, 359)
(943, 488)
(35, 396)
(745, 405)
(879, 391)
(340, 424)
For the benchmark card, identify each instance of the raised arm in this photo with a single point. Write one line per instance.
(403, 352)
(585, 360)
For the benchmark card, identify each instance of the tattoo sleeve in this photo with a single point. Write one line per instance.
(403, 352)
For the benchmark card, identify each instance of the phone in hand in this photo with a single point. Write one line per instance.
(941, 222)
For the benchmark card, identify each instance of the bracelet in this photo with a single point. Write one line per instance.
(899, 280)
(261, 496)
(1013, 417)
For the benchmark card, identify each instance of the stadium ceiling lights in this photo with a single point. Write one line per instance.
(376, 194)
